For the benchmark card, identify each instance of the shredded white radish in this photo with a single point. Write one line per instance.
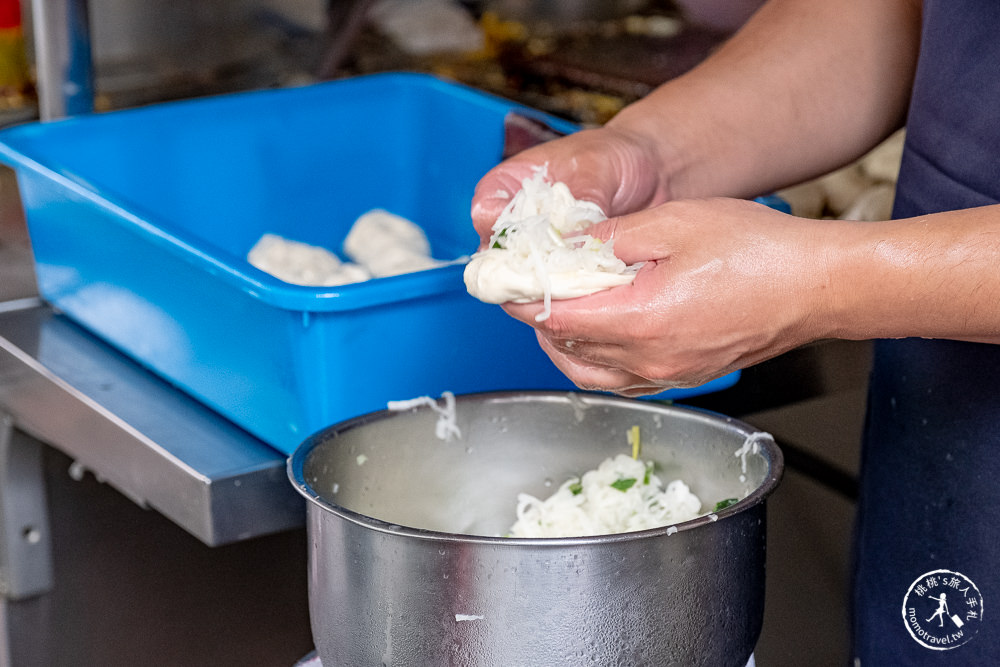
(446, 427)
(468, 617)
(621, 495)
(537, 253)
(751, 445)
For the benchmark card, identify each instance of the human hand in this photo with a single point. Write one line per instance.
(727, 283)
(612, 168)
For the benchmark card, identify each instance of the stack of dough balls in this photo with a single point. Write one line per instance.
(379, 244)
(863, 190)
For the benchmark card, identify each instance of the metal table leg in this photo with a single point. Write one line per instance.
(25, 547)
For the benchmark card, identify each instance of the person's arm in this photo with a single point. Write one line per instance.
(932, 276)
(730, 283)
(804, 87)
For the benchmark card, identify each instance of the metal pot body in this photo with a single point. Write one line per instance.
(408, 566)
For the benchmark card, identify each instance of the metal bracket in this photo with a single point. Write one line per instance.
(63, 57)
(25, 538)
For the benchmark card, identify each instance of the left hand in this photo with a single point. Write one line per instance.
(616, 170)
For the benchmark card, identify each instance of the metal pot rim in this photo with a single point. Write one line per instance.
(768, 449)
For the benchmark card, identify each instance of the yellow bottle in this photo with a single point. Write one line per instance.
(16, 88)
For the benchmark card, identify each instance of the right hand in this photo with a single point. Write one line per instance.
(725, 284)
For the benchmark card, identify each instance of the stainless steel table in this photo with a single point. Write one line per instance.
(61, 386)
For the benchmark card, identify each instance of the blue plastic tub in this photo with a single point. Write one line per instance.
(141, 221)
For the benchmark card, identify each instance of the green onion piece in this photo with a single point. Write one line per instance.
(501, 234)
(576, 488)
(623, 484)
(723, 504)
(649, 472)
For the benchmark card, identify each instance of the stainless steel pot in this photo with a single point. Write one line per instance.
(407, 566)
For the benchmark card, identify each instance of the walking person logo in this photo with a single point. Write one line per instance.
(942, 610)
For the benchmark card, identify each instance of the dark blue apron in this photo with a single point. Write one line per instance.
(929, 512)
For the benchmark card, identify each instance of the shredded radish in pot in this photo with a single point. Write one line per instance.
(446, 427)
(621, 495)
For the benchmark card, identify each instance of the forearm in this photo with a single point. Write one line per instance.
(935, 276)
(805, 87)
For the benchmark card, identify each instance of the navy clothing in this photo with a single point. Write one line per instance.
(930, 470)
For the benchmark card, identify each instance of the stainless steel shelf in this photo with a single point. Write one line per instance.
(133, 430)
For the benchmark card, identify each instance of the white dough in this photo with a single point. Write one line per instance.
(882, 163)
(388, 244)
(873, 204)
(843, 187)
(380, 243)
(426, 27)
(807, 200)
(302, 264)
(492, 278)
(537, 252)
(863, 190)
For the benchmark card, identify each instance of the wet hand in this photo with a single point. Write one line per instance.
(611, 168)
(727, 283)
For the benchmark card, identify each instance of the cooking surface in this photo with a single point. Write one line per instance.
(152, 442)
